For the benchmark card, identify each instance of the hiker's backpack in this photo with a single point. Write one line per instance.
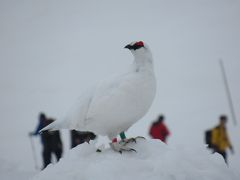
(208, 137)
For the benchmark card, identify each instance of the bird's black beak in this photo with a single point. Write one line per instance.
(128, 46)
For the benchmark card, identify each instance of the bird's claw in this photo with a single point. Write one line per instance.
(98, 150)
(140, 137)
(128, 149)
(119, 147)
(130, 140)
(122, 145)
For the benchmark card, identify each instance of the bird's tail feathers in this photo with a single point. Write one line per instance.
(56, 125)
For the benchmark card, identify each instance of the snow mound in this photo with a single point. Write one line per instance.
(153, 160)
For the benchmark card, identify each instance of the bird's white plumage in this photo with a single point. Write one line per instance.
(113, 105)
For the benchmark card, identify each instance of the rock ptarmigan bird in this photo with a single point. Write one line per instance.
(114, 105)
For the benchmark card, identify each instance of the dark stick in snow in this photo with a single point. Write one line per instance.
(228, 92)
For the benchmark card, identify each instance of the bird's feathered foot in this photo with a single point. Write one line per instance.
(130, 140)
(122, 145)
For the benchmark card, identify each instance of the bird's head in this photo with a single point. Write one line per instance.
(133, 46)
(138, 49)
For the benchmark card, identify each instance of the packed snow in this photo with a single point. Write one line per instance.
(153, 160)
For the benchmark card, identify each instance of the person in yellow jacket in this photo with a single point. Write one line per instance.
(219, 138)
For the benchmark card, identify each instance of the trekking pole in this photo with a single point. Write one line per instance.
(34, 154)
(230, 102)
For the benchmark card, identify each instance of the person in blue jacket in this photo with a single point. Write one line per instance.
(51, 140)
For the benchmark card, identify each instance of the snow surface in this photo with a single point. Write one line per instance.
(154, 160)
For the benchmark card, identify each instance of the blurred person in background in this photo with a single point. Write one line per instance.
(219, 139)
(51, 140)
(159, 130)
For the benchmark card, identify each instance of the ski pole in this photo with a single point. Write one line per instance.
(34, 153)
(228, 93)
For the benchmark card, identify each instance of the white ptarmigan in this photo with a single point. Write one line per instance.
(114, 105)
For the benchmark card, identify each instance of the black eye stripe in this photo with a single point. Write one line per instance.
(136, 46)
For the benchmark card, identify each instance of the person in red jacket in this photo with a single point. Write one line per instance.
(158, 130)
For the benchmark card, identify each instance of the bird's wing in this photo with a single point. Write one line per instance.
(99, 109)
(110, 99)
(76, 115)
(88, 104)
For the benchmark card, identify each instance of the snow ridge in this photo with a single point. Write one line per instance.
(154, 160)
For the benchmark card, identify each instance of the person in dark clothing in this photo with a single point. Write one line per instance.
(158, 130)
(79, 137)
(51, 140)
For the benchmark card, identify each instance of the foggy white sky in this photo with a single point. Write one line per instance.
(50, 51)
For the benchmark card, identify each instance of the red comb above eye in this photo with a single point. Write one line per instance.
(140, 43)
